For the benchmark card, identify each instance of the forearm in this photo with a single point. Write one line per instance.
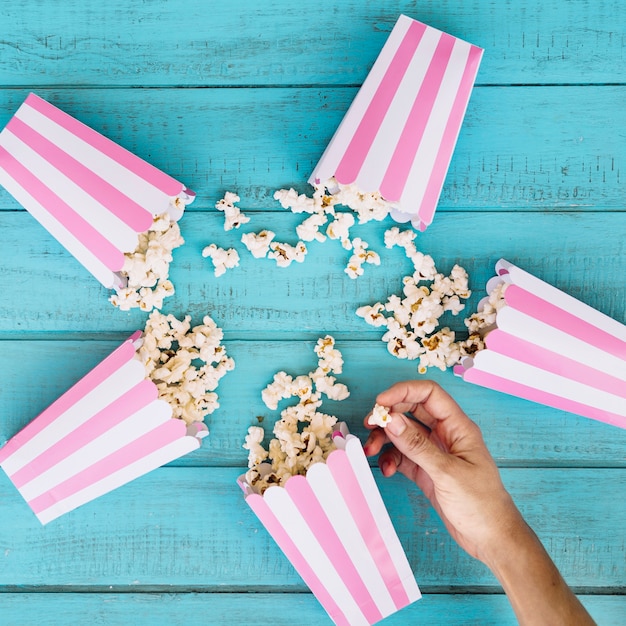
(535, 588)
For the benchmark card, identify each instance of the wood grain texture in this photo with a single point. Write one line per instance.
(190, 528)
(517, 432)
(174, 42)
(215, 609)
(520, 148)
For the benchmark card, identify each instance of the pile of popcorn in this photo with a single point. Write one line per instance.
(484, 320)
(303, 434)
(146, 269)
(412, 320)
(185, 363)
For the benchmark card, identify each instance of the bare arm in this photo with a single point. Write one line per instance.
(443, 452)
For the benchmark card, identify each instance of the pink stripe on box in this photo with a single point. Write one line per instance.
(166, 184)
(284, 542)
(478, 377)
(440, 169)
(350, 489)
(546, 312)
(514, 347)
(361, 142)
(126, 209)
(119, 410)
(404, 154)
(305, 500)
(102, 249)
(157, 438)
(89, 382)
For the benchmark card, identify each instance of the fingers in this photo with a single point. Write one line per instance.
(375, 442)
(413, 442)
(425, 399)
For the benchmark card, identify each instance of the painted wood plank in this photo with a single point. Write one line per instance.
(582, 254)
(189, 527)
(517, 432)
(196, 609)
(243, 43)
(531, 148)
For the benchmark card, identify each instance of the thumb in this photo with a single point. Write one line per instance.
(413, 441)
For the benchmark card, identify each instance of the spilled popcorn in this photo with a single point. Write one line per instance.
(321, 207)
(186, 363)
(380, 416)
(412, 321)
(144, 276)
(233, 217)
(303, 434)
(258, 243)
(222, 259)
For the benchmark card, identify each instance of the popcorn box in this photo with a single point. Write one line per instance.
(551, 348)
(108, 429)
(92, 195)
(398, 135)
(333, 527)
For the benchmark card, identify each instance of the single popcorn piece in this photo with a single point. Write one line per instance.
(186, 363)
(233, 217)
(380, 416)
(340, 227)
(222, 259)
(360, 256)
(373, 314)
(254, 439)
(146, 270)
(309, 230)
(258, 243)
(284, 254)
(303, 435)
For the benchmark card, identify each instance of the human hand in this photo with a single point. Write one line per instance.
(443, 452)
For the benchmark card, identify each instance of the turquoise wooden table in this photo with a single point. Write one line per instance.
(244, 96)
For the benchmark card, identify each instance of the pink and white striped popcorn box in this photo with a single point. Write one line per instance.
(399, 133)
(92, 195)
(551, 348)
(105, 431)
(334, 528)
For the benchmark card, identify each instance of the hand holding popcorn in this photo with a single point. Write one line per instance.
(443, 452)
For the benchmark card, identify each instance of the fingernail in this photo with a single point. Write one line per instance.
(396, 426)
(384, 466)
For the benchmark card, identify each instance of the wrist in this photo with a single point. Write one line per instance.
(510, 536)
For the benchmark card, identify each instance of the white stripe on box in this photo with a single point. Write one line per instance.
(122, 236)
(552, 338)
(294, 524)
(73, 245)
(121, 381)
(505, 367)
(351, 120)
(136, 188)
(131, 429)
(559, 298)
(371, 175)
(160, 457)
(327, 492)
(430, 146)
(363, 472)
